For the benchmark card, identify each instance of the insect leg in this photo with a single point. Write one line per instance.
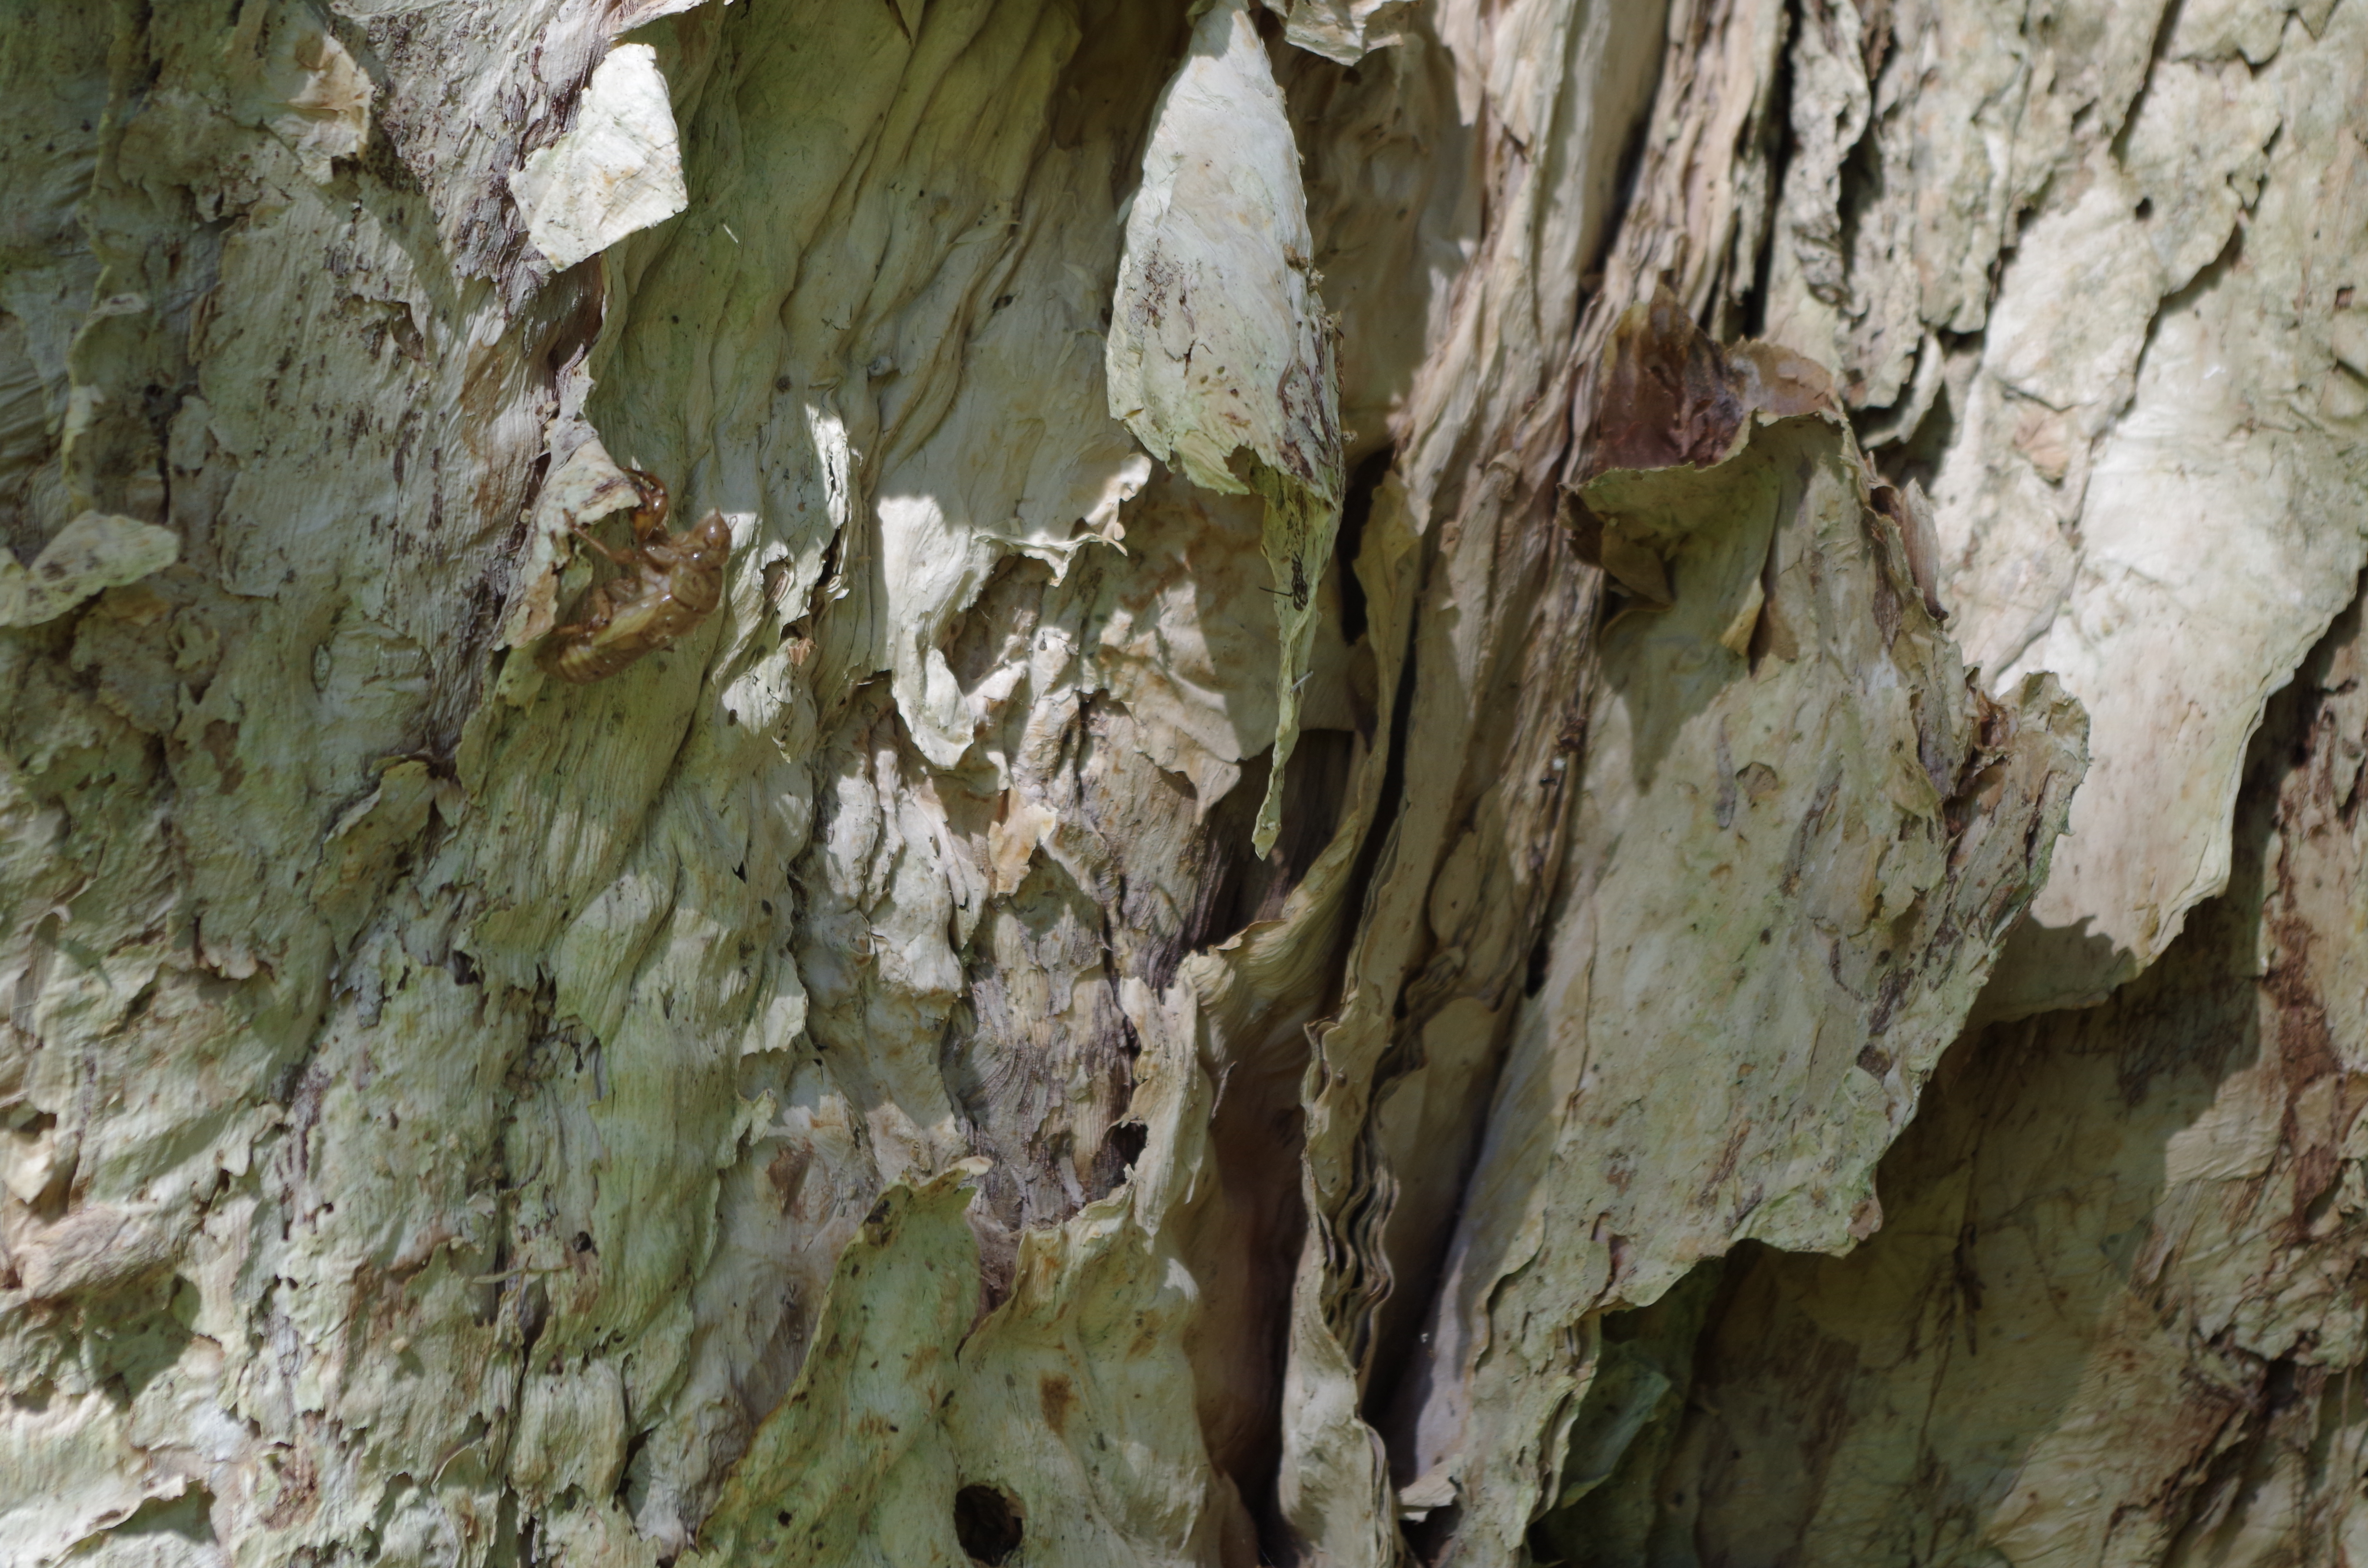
(621, 557)
(597, 612)
(649, 518)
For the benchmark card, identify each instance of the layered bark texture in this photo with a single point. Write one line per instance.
(1362, 864)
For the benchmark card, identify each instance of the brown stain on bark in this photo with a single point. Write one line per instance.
(221, 742)
(1057, 1396)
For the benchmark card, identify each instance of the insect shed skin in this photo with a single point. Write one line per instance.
(669, 584)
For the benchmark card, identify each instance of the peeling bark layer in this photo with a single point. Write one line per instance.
(2114, 1313)
(1389, 674)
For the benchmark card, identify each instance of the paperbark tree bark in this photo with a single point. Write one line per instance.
(1362, 865)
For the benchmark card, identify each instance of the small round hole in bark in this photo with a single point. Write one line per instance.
(987, 1522)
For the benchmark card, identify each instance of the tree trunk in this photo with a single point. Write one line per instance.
(1395, 680)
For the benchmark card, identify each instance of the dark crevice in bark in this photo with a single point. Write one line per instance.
(1100, 92)
(1256, 1127)
(1626, 184)
(1629, 1420)
(1559, 604)
(1745, 311)
(1356, 510)
(1242, 887)
(1919, 455)
(1230, 892)
(2165, 28)
(1317, 780)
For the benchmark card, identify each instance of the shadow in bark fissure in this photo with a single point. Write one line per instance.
(1256, 1128)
